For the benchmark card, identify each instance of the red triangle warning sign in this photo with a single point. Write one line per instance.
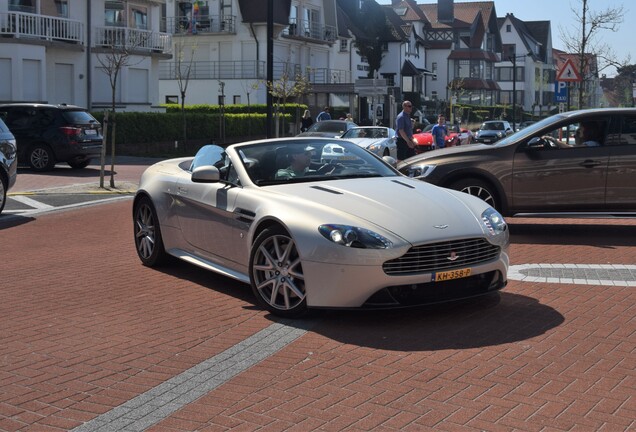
(568, 72)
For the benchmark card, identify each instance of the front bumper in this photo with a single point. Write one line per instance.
(354, 286)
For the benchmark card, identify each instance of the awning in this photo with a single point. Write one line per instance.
(409, 69)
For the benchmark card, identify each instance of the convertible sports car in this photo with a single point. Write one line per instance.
(456, 136)
(305, 234)
(377, 139)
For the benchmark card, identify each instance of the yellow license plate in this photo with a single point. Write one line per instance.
(451, 274)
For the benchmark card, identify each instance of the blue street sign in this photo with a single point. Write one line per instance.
(560, 91)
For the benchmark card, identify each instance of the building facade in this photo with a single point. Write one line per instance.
(63, 51)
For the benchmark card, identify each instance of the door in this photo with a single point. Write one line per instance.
(621, 171)
(558, 171)
(206, 210)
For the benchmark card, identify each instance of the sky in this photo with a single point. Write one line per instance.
(559, 13)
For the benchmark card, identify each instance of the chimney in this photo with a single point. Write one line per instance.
(445, 11)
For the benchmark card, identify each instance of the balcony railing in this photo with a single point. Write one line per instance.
(124, 38)
(250, 69)
(204, 24)
(29, 25)
(310, 30)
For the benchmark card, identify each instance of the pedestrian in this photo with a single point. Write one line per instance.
(404, 125)
(306, 121)
(324, 115)
(349, 118)
(439, 132)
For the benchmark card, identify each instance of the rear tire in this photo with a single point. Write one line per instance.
(148, 240)
(41, 158)
(79, 163)
(478, 188)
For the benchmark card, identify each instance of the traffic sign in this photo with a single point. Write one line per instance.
(568, 72)
(560, 91)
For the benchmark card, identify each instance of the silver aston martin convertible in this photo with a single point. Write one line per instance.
(309, 232)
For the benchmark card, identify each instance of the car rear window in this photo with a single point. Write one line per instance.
(78, 117)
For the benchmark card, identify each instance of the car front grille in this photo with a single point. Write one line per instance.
(440, 256)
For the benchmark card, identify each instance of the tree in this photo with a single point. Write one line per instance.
(122, 45)
(624, 85)
(372, 31)
(584, 41)
(182, 73)
(286, 88)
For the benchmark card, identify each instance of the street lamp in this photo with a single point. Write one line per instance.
(513, 59)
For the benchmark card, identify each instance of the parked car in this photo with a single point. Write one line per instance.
(357, 235)
(376, 139)
(328, 128)
(456, 136)
(525, 124)
(545, 167)
(492, 131)
(48, 134)
(8, 162)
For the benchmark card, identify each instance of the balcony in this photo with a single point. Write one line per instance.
(248, 69)
(43, 27)
(203, 24)
(123, 38)
(310, 30)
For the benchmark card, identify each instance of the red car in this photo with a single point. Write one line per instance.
(456, 136)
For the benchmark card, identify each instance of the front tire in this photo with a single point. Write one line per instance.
(478, 188)
(276, 273)
(148, 240)
(3, 193)
(41, 158)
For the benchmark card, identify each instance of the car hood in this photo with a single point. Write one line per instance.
(365, 142)
(447, 151)
(413, 210)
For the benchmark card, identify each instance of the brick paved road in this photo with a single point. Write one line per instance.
(91, 338)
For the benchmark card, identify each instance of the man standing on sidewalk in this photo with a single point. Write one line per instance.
(404, 126)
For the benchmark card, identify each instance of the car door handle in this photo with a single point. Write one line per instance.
(590, 163)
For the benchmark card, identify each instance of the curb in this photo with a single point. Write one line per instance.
(124, 188)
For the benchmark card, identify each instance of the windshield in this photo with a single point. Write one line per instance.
(531, 130)
(327, 126)
(301, 160)
(368, 132)
(492, 126)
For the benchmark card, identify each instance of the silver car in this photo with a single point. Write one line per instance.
(350, 234)
(376, 139)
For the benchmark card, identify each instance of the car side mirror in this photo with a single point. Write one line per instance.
(206, 174)
(390, 160)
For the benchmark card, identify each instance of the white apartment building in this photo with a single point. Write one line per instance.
(54, 51)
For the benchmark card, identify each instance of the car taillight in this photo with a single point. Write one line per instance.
(71, 132)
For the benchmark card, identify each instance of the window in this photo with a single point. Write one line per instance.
(462, 68)
(236, 99)
(172, 99)
(508, 28)
(114, 13)
(139, 18)
(22, 6)
(344, 45)
(434, 70)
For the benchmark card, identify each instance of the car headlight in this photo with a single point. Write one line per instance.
(494, 221)
(354, 237)
(420, 170)
(374, 148)
(500, 134)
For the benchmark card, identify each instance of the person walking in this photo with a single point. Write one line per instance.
(306, 121)
(324, 115)
(404, 125)
(439, 132)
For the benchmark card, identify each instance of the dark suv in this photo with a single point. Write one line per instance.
(8, 162)
(48, 134)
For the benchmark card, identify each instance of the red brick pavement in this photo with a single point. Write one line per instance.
(86, 328)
